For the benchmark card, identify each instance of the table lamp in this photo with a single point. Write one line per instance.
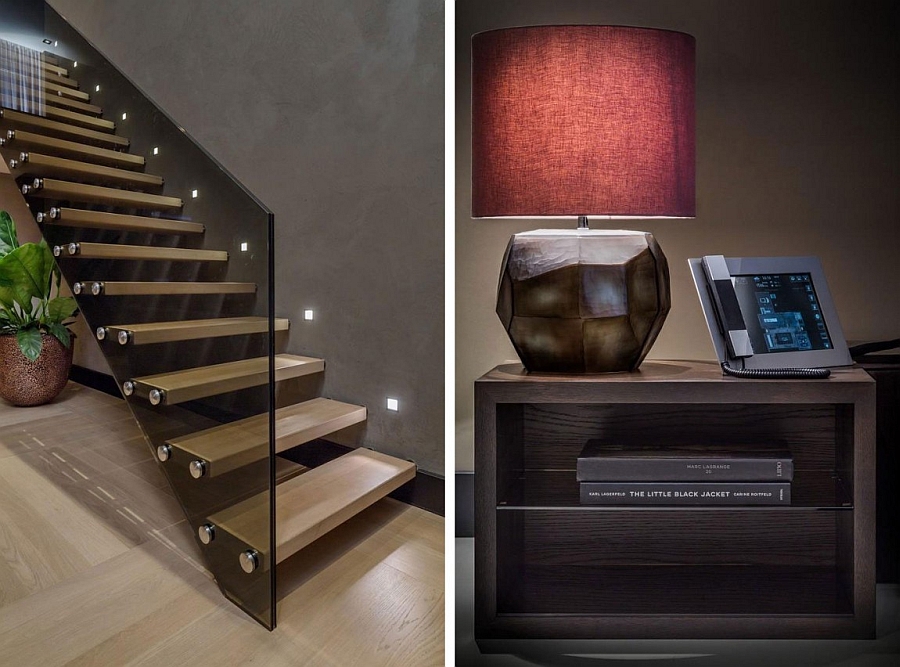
(582, 121)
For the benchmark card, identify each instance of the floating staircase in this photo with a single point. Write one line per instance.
(197, 358)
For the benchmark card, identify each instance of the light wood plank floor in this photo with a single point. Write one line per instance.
(98, 567)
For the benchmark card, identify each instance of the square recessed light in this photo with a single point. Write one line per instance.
(244, 246)
(47, 41)
(393, 405)
(194, 193)
(156, 150)
(307, 315)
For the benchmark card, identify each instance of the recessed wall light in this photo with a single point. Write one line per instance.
(75, 64)
(97, 88)
(307, 315)
(393, 405)
(48, 41)
(244, 245)
(156, 150)
(194, 193)
(55, 43)
(124, 116)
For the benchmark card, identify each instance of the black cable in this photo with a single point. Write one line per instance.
(868, 348)
(777, 373)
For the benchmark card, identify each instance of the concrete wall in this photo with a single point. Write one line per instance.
(332, 114)
(798, 152)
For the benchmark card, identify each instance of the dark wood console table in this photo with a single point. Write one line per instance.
(548, 567)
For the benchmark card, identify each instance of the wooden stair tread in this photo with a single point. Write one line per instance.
(233, 445)
(65, 91)
(119, 251)
(65, 103)
(316, 502)
(74, 149)
(61, 79)
(96, 194)
(19, 118)
(168, 332)
(286, 469)
(38, 164)
(193, 383)
(76, 217)
(80, 119)
(123, 288)
(56, 69)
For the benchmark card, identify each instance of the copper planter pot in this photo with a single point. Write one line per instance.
(24, 382)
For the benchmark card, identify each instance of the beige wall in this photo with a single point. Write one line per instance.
(798, 152)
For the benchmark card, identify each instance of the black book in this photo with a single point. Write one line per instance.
(604, 462)
(686, 493)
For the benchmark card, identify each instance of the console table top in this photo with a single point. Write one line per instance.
(658, 371)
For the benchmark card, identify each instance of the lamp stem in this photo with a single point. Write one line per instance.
(583, 222)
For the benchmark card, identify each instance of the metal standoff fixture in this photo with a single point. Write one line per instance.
(157, 396)
(198, 468)
(123, 337)
(57, 249)
(163, 452)
(97, 289)
(101, 335)
(249, 560)
(128, 387)
(206, 533)
(77, 288)
(73, 248)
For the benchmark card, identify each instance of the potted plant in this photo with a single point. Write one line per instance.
(35, 342)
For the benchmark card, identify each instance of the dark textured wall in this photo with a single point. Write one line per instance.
(332, 113)
(798, 153)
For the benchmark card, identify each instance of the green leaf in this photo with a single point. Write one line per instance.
(8, 239)
(61, 333)
(30, 342)
(25, 274)
(59, 309)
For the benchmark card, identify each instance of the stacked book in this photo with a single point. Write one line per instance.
(687, 475)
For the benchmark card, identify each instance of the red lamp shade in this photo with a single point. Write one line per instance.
(583, 120)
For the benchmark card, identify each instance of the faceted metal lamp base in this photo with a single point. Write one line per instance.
(583, 300)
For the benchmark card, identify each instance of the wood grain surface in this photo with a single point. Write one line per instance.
(83, 582)
(74, 149)
(547, 567)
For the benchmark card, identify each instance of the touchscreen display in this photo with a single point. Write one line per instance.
(782, 312)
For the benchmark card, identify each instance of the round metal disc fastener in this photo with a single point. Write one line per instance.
(249, 560)
(164, 452)
(206, 533)
(198, 469)
(128, 387)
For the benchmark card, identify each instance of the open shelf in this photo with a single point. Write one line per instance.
(671, 589)
(548, 566)
(731, 561)
(558, 489)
